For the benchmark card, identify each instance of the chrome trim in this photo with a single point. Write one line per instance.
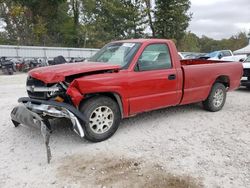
(63, 85)
(42, 89)
(58, 112)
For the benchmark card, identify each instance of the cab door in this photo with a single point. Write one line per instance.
(153, 83)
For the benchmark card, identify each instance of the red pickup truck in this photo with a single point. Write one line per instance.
(121, 80)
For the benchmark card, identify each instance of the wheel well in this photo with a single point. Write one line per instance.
(224, 80)
(114, 96)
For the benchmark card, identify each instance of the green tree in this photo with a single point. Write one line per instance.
(189, 43)
(171, 18)
(18, 25)
(233, 43)
(136, 18)
(106, 20)
(148, 10)
(208, 44)
(75, 13)
(237, 41)
(3, 38)
(45, 19)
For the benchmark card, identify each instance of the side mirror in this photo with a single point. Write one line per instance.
(242, 60)
(138, 65)
(219, 56)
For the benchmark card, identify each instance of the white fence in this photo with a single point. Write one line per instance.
(44, 52)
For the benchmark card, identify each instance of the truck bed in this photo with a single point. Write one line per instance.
(201, 61)
(199, 76)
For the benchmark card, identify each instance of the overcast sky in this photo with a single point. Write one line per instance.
(220, 18)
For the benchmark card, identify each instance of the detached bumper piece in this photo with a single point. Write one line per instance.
(35, 113)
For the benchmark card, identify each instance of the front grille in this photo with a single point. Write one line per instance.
(36, 83)
(246, 73)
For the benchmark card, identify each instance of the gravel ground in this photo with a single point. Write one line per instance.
(176, 147)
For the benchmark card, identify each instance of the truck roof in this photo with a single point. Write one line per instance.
(143, 40)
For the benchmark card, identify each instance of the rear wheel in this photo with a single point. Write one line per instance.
(103, 115)
(216, 98)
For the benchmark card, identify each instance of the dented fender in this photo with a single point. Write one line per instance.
(92, 85)
(74, 93)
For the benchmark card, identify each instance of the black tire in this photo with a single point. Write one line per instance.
(89, 108)
(10, 72)
(14, 67)
(209, 103)
(15, 123)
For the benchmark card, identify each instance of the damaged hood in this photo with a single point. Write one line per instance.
(57, 73)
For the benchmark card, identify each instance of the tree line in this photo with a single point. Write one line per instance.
(92, 23)
(192, 43)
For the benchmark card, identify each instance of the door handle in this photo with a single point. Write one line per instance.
(172, 77)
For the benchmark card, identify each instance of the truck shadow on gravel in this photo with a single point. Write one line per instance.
(103, 171)
(61, 128)
(243, 89)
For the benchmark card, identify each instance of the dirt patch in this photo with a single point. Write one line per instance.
(102, 171)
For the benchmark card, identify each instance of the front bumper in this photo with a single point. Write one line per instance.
(245, 80)
(34, 112)
(245, 83)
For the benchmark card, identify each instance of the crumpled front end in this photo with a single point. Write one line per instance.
(33, 112)
(36, 113)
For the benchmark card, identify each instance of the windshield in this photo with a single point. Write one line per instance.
(248, 59)
(116, 53)
(212, 54)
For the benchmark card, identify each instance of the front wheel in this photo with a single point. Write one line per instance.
(103, 115)
(216, 98)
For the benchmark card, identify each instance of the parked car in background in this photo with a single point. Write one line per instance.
(27, 64)
(192, 55)
(224, 55)
(245, 81)
(123, 79)
(23, 65)
(57, 60)
(180, 56)
(61, 60)
(76, 59)
(7, 66)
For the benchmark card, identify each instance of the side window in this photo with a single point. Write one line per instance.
(226, 53)
(154, 57)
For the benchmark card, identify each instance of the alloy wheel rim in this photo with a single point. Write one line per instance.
(101, 119)
(218, 98)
